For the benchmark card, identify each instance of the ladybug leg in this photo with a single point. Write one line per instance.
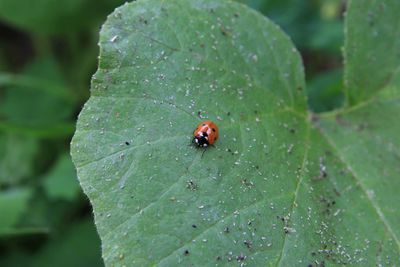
(204, 150)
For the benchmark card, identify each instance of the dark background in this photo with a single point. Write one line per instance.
(48, 52)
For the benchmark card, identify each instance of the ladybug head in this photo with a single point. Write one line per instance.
(200, 141)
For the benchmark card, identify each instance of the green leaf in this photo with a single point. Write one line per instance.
(313, 25)
(12, 204)
(36, 103)
(78, 246)
(372, 47)
(54, 17)
(280, 186)
(61, 181)
(17, 154)
(325, 91)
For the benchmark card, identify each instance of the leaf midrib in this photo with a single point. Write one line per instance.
(299, 182)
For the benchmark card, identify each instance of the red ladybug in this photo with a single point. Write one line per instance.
(205, 134)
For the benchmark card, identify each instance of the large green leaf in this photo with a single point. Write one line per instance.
(280, 187)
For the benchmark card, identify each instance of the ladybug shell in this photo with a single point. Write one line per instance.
(205, 134)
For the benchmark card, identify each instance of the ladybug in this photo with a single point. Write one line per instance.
(205, 134)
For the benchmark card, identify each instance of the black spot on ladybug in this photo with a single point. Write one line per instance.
(213, 129)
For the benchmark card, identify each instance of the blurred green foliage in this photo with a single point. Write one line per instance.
(48, 52)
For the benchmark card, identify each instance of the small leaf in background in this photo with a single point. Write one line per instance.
(55, 17)
(78, 246)
(31, 104)
(17, 154)
(325, 91)
(13, 203)
(313, 25)
(61, 181)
